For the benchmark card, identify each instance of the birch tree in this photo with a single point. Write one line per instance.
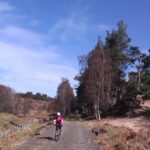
(95, 79)
(65, 97)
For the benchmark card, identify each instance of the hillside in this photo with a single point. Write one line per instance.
(32, 106)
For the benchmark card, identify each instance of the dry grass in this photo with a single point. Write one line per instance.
(19, 137)
(120, 138)
(5, 119)
(132, 123)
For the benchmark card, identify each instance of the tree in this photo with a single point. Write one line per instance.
(95, 80)
(146, 76)
(29, 94)
(65, 97)
(37, 96)
(26, 107)
(118, 43)
(137, 60)
(131, 87)
(8, 99)
(44, 97)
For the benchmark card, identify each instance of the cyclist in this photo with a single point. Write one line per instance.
(58, 121)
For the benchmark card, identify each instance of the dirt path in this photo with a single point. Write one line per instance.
(75, 136)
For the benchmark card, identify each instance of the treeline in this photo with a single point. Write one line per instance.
(104, 77)
(12, 102)
(37, 96)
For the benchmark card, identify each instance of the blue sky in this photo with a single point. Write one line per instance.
(41, 39)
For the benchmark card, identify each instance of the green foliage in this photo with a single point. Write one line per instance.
(118, 42)
(131, 87)
(131, 91)
(37, 96)
(121, 56)
(29, 94)
(146, 77)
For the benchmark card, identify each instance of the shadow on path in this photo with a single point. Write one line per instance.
(48, 138)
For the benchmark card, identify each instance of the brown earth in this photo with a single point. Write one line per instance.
(75, 136)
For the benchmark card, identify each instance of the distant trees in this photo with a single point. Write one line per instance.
(44, 97)
(29, 94)
(37, 96)
(65, 97)
(11, 102)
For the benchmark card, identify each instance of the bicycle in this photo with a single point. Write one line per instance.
(57, 132)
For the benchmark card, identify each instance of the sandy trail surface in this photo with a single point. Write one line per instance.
(75, 136)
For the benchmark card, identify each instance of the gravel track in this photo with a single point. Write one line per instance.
(75, 136)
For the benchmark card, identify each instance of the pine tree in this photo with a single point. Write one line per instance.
(118, 42)
(136, 58)
(146, 76)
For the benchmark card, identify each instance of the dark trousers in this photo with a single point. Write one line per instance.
(58, 126)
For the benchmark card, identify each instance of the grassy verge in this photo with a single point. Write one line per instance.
(5, 119)
(120, 138)
(19, 137)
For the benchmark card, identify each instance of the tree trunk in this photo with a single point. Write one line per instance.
(118, 87)
(96, 116)
(139, 66)
(99, 115)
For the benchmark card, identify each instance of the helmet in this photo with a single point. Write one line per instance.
(58, 114)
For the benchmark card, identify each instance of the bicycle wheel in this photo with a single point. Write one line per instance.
(57, 135)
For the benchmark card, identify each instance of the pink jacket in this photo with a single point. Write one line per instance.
(58, 120)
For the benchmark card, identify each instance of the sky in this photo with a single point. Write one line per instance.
(40, 40)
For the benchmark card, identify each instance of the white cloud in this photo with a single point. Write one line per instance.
(74, 25)
(28, 62)
(31, 68)
(21, 36)
(26, 58)
(4, 6)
